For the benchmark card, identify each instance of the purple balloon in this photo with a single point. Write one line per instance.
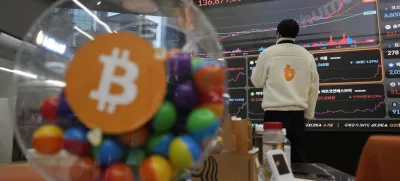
(179, 67)
(185, 95)
(174, 79)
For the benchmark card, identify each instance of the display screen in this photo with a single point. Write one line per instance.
(364, 66)
(248, 27)
(280, 164)
(355, 43)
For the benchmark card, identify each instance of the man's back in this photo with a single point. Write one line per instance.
(288, 74)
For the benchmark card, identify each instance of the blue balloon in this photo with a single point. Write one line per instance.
(111, 151)
(205, 133)
(64, 110)
(76, 134)
(159, 144)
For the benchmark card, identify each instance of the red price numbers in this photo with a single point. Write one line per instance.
(366, 96)
(395, 92)
(392, 33)
(325, 98)
(215, 2)
(256, 99)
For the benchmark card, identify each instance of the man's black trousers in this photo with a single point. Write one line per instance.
(294, 123)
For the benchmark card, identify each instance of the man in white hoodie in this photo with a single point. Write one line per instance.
(288, 74)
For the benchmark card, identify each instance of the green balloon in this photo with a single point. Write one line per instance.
(200, 118)
(95, 151)
(165, 117)
(195, 62)
(135, 158)
(152, 141)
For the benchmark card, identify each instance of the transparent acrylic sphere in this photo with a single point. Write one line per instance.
(52, 41)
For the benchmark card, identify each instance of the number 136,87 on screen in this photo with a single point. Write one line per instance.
(215, 2)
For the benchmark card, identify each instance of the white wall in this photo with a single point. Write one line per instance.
(5, 78)
(6, 128)
(6, 132)
(16, 16)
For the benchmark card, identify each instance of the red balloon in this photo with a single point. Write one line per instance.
(211, 97)
(76, 147)
(48, 109)
(84, 169)
(135, 138)
(118, 172)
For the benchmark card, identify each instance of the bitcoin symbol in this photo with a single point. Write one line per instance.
(103, 94)
(106, 82)
(289, 73)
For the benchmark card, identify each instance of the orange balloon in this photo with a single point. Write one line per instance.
(209, 78)
(48, 139)
(84, 169)
(135, 138)
(48, 145)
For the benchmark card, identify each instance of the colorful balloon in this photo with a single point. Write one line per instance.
(95, 151)
(212, 97)
(179, 64)
(165, 117)
(69, 123)
(202, 124)
(118, 172)
(75, 141)
(205, 63)
(217, 109)
(156, 168)
(185, 95)
(135, 158)
(84, 169)
(209, 77)
(159, 144)
(48, 139)
(136, 138)
(172, 52)
(48, 108)
(64, 110)
(178, 68)
(195, 63)
(184, 152)
(110, 151)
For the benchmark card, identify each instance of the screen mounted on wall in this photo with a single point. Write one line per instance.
(355, 43)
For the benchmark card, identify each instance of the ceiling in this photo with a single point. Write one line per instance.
(16, 17)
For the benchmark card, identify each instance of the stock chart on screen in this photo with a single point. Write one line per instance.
(349, 66)
(248, 28)
(355, 44)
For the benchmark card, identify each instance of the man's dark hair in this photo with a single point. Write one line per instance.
(288, 28)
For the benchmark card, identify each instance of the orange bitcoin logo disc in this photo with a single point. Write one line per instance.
(289, 73)
(114, 83)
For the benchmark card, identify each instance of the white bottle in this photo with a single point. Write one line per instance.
(272, 138)
(287, 148)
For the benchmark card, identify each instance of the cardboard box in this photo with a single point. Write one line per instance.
(230, 165)
(227, 167)
(243, 131)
